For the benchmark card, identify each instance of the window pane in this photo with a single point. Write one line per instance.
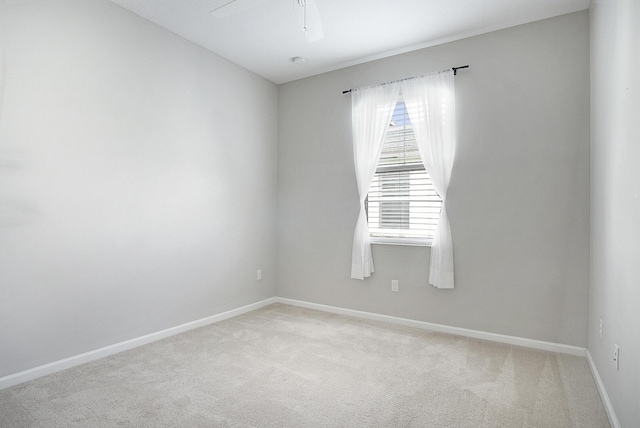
(402, 202)
(394, 203)
(400, 147)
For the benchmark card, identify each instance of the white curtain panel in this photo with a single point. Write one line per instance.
(430, 102)
(372, 109)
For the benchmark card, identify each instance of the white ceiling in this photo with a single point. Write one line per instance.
(264, 38)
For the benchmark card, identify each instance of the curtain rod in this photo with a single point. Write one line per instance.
(455, 73)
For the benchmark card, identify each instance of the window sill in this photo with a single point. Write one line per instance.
(413, 242)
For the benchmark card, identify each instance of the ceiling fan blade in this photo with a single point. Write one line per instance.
(232, 7)
(314, 30)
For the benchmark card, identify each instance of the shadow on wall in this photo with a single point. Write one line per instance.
(14, 211)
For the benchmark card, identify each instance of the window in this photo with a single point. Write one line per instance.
(402, 204)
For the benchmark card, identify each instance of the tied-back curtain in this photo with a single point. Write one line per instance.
(372, 109)
(430, 102)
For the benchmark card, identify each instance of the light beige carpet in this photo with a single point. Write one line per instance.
(283, 366)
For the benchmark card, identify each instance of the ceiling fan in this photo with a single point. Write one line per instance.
(306, 13)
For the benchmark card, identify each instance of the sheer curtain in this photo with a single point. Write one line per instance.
(372, 109)
(430, 102)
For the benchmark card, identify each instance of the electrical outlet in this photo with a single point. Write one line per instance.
(616, 356)
(394, 285)
(259, 274)
(600, 329)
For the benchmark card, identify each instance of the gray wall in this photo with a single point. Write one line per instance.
(614, 294)
(518, 200)
(137, 181)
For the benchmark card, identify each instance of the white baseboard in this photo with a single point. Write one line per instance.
(76, 360)
(613, 419)
(512, 340)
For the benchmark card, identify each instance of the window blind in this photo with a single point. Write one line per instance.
(402, 202)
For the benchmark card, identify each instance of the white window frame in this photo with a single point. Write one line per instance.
(376, 234)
